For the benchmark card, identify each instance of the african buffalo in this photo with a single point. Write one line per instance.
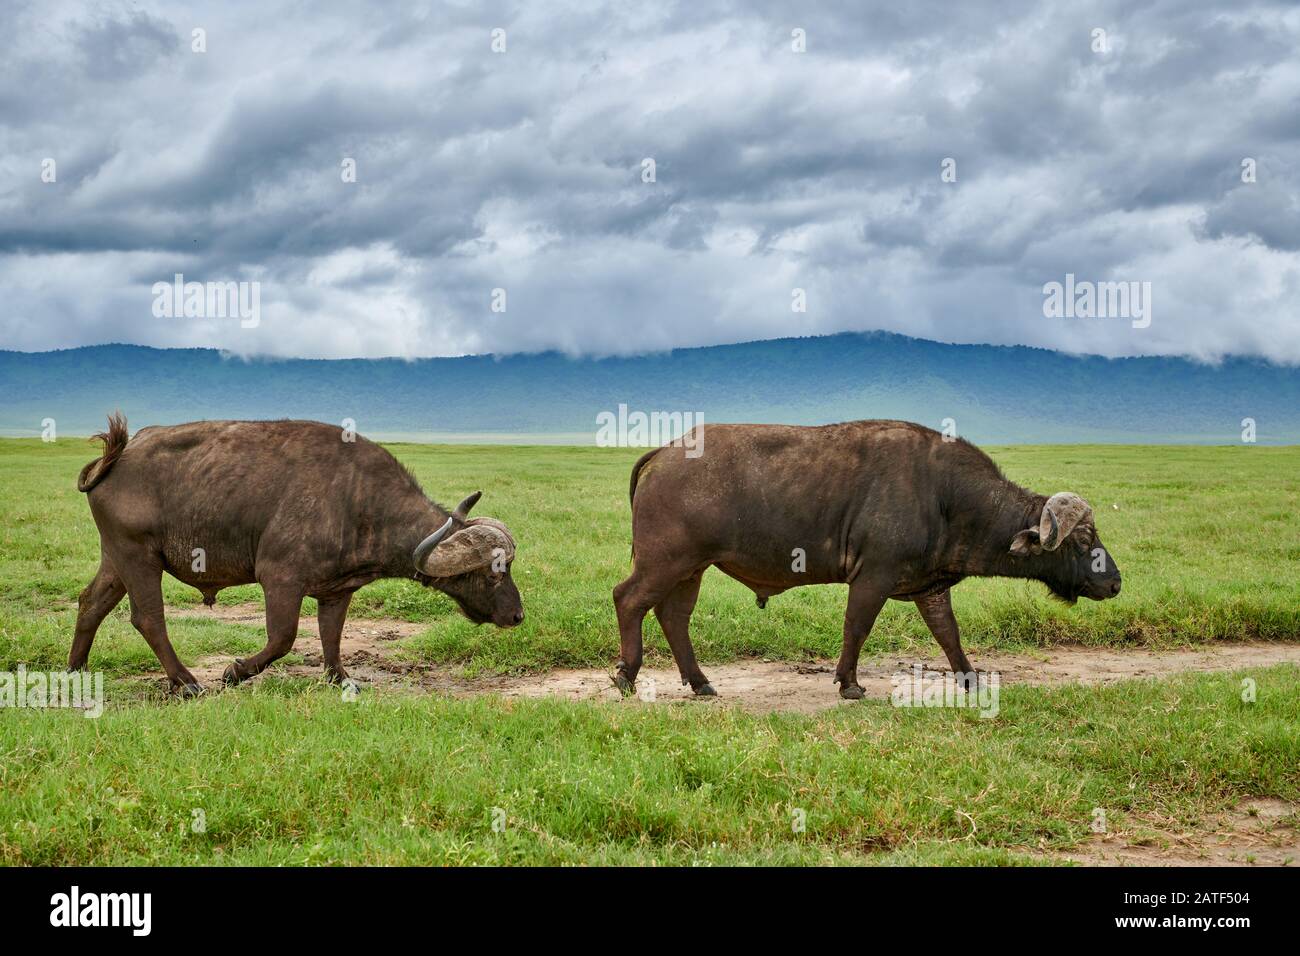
(892, 509)
(301, 508)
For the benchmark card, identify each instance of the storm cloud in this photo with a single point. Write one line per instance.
(795, 146)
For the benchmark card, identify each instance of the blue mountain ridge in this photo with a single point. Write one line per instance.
(994, 394)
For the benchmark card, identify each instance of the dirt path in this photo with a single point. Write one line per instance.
(1258, 833)
(755, 686)
(366, 648)
(764, 686)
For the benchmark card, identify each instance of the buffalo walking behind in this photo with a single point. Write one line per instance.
(889, 508)
(301, 508)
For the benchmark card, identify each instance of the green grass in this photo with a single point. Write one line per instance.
(286, 772)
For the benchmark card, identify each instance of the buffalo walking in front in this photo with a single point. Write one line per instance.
(892, 509)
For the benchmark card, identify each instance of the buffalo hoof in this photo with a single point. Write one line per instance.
(625, 687)
(232, 674)
(852, 692)
(705, 690)
(187, 691)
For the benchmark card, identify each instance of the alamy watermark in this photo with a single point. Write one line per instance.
(208, 300)
(974, 691)
(634, 429)
(79, 690)
(133, 911)
(1098, 300)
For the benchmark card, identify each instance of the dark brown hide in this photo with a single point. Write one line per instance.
(289, 505)
(890, 508)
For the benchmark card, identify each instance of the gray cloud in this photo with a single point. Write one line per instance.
(775, 170)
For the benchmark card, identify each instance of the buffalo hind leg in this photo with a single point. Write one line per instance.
(631, 606)
(283, 605)
(143, 580)
(633, 600)
(866, 598)
(936, 609)
(674, 614)
(100, 596)
(331, 610)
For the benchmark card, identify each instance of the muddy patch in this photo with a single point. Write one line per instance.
(1263, 832)
(384, 629)
(1258, 833)
(765, 686)
(366, 648)
(758, 686)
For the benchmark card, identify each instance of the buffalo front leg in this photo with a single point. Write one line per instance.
(674, 614)
(330, 614)
(283, 605)
(937, 612)
(866, 598)
(100, 596)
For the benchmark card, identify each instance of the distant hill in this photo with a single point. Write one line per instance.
(994, 394)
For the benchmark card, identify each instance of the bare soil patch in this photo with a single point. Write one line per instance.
(765, 686)
(757, 686)
(1260, 832)
(366, 648)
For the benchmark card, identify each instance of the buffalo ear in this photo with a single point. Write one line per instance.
(1026, 543)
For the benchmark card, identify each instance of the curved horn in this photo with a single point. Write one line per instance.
(425, 547)
(472, 547)
(1051, 540)
(1062, 513)
(462, 509)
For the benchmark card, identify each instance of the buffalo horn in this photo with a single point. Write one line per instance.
(425, 547)
(1062, 513)
(462, 509)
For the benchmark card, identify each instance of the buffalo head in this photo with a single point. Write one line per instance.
(1083, 567)
(472, 566)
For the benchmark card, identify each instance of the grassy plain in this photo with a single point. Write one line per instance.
(284, 771)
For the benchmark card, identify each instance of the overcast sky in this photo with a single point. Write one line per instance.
(774, 170)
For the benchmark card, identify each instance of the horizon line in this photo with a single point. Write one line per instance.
(649, 353)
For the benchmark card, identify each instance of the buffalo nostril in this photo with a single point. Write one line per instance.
(519, 617)
(1114, 588)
